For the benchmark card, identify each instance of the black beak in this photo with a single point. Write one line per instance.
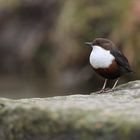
(88, 43)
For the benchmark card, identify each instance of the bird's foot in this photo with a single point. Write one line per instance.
(105, 90)
(102, 91)
(110, 90)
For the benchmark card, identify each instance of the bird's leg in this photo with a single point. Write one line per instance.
(115, 84)
(103, 88)
(113, 88)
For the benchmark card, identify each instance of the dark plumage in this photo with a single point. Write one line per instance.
(121, 61)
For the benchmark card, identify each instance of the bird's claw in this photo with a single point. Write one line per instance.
(106, 90)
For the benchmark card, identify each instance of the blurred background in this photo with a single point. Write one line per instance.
(42, 50)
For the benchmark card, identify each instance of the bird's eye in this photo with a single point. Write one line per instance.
(98, 43)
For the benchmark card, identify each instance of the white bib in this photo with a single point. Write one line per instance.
(100, 58)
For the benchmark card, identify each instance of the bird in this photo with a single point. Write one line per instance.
(108, 61)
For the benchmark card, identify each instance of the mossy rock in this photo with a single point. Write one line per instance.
(110, 116)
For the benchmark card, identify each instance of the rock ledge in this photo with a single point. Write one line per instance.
(111, 116)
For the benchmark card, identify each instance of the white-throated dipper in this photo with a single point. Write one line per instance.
(108, 61)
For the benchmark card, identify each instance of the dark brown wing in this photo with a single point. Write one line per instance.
(121, 61)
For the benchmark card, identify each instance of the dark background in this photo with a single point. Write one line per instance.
(42, 50)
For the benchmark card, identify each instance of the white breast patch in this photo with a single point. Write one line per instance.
(100, 58)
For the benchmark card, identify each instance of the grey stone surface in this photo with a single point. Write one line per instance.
(110, 116)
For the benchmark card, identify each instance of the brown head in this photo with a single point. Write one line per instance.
(102, 42)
